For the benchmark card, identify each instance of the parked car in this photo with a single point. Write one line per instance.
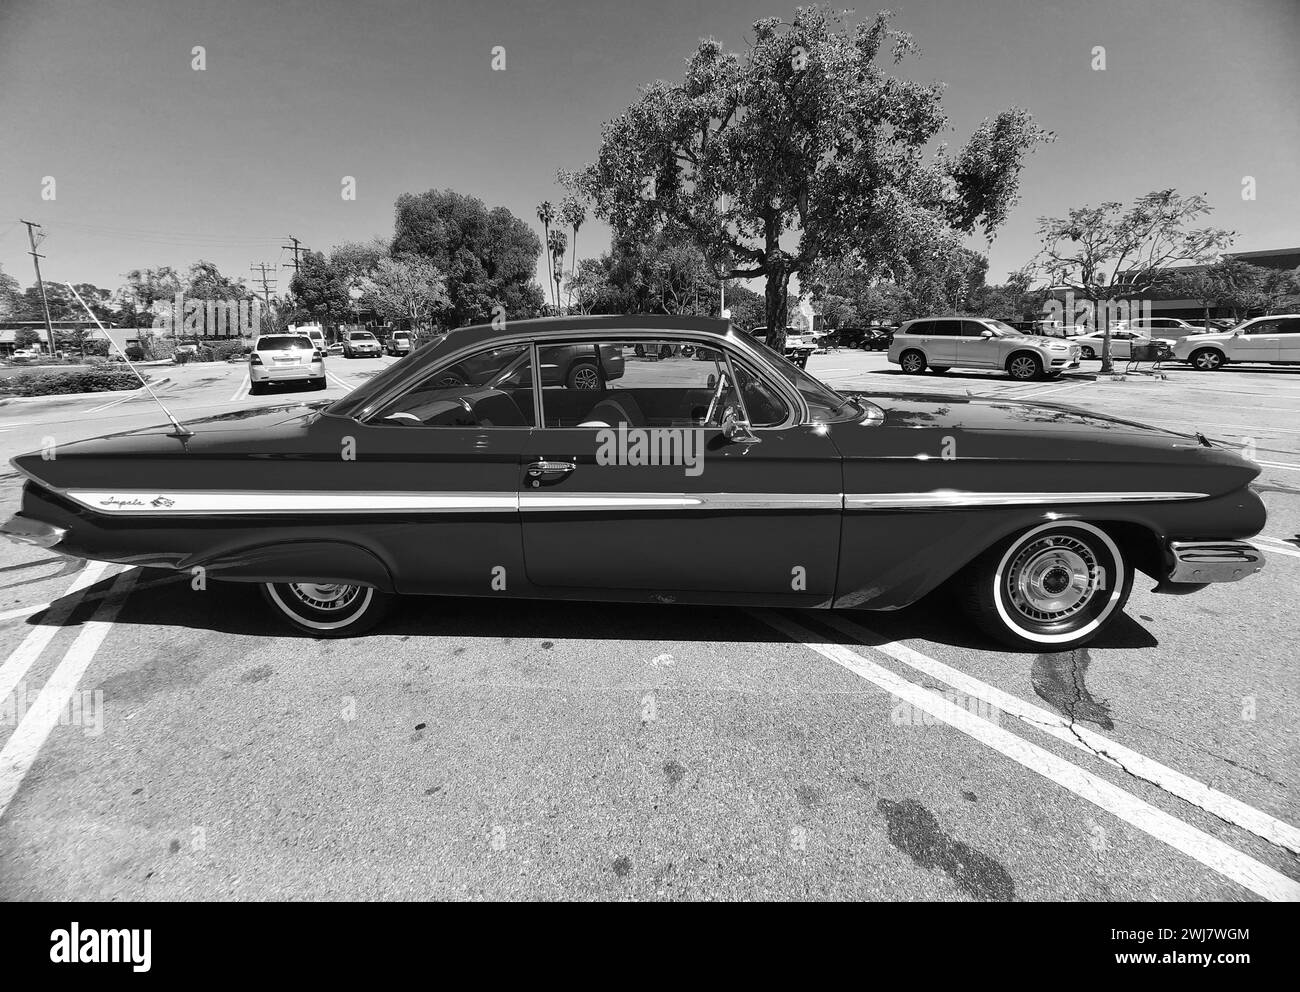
(398, 344)
(313, 331)
(798, 347)
(1121, 343)
(573, 366)
(493, 488)
(285, 358)
(866, 338)
(359, 344)
(1160, 328)
(1274, 339)
(941, 343)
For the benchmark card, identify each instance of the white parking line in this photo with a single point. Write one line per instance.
(1285, 465)
(1196, 844)
(130, 395)
(1275, 546)
(340, 382)
(25, 742)
(1223, 806)
(25, 655)
(22, 611)
(242, 391)
(1054, 389)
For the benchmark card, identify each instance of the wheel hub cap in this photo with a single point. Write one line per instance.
(324, 595)
(1052, 579)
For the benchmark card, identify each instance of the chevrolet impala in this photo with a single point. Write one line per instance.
(729, 477)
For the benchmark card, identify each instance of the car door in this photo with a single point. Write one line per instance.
(944, 348)
(634, 488)
(1289, 340)
(973, 349)
(1259, 341)
(444, 451)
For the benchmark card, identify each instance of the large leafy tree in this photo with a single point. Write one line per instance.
(800, 149)
(488, 257)
(146, 288)
(409, 287)
(10, 293)
(1112, 252)
(205, 281)
(654, 276)
(320, 290)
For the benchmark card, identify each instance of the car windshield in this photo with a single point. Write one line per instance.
(360, 336)
(825, 405)
(283, 343)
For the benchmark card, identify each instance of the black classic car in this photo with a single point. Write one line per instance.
(727, 477)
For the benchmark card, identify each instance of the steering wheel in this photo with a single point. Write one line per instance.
(716, 401)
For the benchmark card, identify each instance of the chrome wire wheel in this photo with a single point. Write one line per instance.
(1052, 579)
(327, 609)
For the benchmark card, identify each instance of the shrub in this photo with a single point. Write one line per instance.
(134, 353)
(223, 351)
(94, 380)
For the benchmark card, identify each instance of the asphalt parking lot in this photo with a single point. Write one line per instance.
(163, 742)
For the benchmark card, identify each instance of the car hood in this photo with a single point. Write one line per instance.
(947, 412)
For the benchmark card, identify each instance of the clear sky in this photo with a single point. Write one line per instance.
(156, 163)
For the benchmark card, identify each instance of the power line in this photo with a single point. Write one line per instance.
(264, 280)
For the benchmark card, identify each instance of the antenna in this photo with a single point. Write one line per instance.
(181, 430)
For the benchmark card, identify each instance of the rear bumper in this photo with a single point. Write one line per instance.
(1199, 562)
(24, 530)
(263, 373)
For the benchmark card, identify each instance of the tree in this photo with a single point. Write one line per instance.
(488, 257)
(26, 337)
(804, 134)
(355, 262)
(573, 211)
(1208, 285)
(557, 243)
(146, 288)
(748, 309)
(204, 281)
(658, 276)
(409, 287)
(10, 294)
(1111, 252)
(320, 290)
(546, 214)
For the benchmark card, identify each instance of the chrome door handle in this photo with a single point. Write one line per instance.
(537, 469)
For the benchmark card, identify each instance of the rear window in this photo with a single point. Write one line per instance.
(283, 343)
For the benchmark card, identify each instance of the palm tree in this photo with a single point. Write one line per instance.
(546, 214)
(558, 243)
(574, 213)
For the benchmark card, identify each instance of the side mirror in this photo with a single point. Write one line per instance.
(737, 431)
(986, 333)
(711, 381)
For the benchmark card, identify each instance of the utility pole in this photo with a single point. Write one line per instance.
(263, 279)
(36, 261)
(296, 249)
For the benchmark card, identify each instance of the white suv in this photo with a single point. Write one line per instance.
(285, 358)
(941, 343)
(1274, 339)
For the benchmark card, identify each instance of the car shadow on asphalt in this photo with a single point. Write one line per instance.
(161, 598)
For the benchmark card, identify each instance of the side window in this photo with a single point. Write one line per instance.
(1264, 327)
(640, 383)
(947, 328)
(488, 389)
(1291, 326)
(922, 327)
(972, 328)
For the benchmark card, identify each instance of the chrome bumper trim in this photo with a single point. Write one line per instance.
(1214, 561)
(24, 530)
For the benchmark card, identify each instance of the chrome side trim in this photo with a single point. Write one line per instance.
(559, 501)
(1214, 561)
(941, 498)
(171, 504)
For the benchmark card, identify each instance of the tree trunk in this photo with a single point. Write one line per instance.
(1107, 366)
(776, 299)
